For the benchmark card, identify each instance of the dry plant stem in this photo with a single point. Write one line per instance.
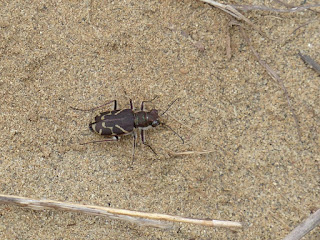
(228, 43)
(233, 12)
(306, 226)
(190, 153)
(301, 26)
(275, 77)
(264, 8)
(308, 60)
(284, 3)
(70, 207)
(291, 6)
(112, 212)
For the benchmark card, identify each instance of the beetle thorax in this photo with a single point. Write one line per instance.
(145, 119)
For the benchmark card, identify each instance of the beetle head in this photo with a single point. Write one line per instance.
(153, 118)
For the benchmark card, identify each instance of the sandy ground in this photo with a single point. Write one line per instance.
(85, 53)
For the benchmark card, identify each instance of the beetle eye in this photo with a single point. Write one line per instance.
(155, 123)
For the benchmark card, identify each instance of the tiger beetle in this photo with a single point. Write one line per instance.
(116, 123)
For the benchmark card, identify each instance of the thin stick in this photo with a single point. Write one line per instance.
(228, 43)
(291, 6)
(275, 77)
(264, 8)
(233, 12)
(190, 153)
(35, 204)
(306, 226)
(308, 60)
(112, 212)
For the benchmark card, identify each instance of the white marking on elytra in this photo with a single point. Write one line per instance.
(123, 130)
(119, 112)
(111, 129)
(104, 116)
(94, 127)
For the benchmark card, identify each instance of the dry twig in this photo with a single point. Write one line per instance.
(275, 77)
(306, 226)
(290, 5)
(140, 218)
(233, 12)
(308, 60)
(269, 9)
(190, 153)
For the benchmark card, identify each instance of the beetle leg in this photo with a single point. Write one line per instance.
(115, 105)
(134, 134)
(142, 103)
(114, 138)
(142, 134)
(91, 109)
(131, 105)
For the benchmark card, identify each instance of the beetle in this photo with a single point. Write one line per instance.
(116, 123)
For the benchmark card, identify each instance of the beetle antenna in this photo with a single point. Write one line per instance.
(169, 106)
(167, 126)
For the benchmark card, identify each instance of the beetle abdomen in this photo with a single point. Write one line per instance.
(113, 123)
